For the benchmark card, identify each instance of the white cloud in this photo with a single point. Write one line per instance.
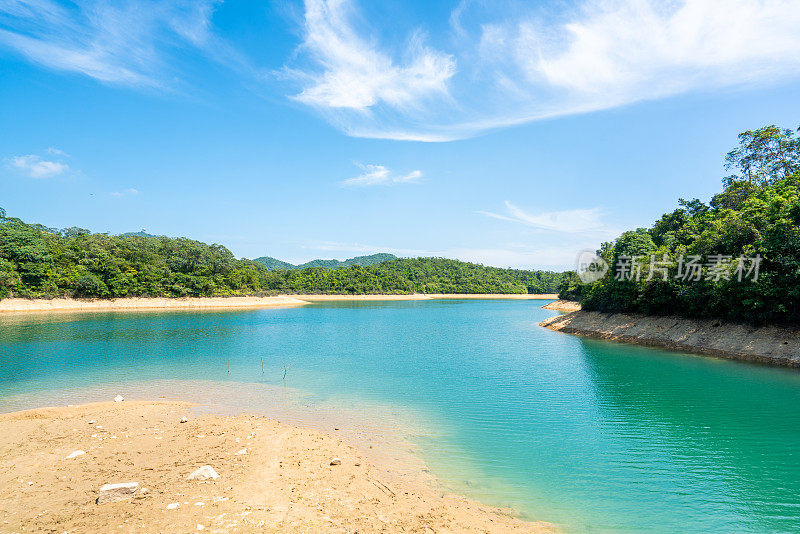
(380, 175)
(354, 74)
(126, 192)
(57, 152)
(127, 42)
(36, 167)
(521, 63)
(580, 221)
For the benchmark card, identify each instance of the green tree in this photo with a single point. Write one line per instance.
(764, 156)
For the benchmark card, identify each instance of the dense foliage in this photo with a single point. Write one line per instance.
(36, 261)
(364, 261)
(757, 215)
(439, 275)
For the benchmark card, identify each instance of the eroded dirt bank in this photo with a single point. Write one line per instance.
(770, 345)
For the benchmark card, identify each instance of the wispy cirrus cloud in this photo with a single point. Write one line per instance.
(36, 167)
(129, 42)
(380, 175)
(56, 152)
(507, 64)
(578, 221)
(356, 75)
(125, 192)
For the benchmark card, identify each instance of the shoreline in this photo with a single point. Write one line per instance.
(14, 305)
(272, 476)
(429, 296)
(767, 345)
(19, 305)
(561, 305)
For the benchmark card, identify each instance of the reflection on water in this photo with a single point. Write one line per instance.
(587, 434)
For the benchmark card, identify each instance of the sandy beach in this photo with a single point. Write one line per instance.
(429, 296)
(12, 305)
(272, 477)
(567, 306)
(63, 304)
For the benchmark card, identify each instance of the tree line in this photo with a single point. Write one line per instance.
(753, 222)
(41, 262)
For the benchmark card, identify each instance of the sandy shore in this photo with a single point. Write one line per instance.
(501, 296)
(563, 306)
(128, 304)
(29, 305)
(428, 296)
(769, 344)
(272, 477)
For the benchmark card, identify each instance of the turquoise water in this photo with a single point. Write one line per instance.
(590, 435)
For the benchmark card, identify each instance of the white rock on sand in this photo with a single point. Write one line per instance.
(204, 473)
(183, 419)
(119, 398)
(172, 506)
(75, 454)
(117, 492)
(336, 461)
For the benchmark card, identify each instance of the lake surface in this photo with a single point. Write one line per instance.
(590, 435)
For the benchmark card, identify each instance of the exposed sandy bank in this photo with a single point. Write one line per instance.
(162, 303)
(326, 298)
(428, 296)
(507, 296)
(29, 305)
(563, 306)
(283, 483)
(771, 345)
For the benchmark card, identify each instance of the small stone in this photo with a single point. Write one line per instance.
(336, 461)
(117, 492)
(243, 451)
(119, 398)
(91, 422)
(75, 454)
(183, 419)
(204, 473)
(172, 506)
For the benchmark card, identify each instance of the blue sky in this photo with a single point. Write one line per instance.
(510, 133)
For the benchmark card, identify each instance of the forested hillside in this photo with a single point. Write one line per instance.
(737, 257)
(36, 261)
(364, 261)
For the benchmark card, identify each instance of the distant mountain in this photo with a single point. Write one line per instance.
(275, 265)
(364, 261)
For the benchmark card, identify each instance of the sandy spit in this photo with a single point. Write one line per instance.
(160, 303)
(272, 477)
(563, 306)
(770, 345)
(163, 303)
(428, 296)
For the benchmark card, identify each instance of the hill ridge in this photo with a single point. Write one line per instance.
(364, 261)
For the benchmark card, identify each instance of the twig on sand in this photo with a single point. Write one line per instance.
(383, 487)
(285, 368)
